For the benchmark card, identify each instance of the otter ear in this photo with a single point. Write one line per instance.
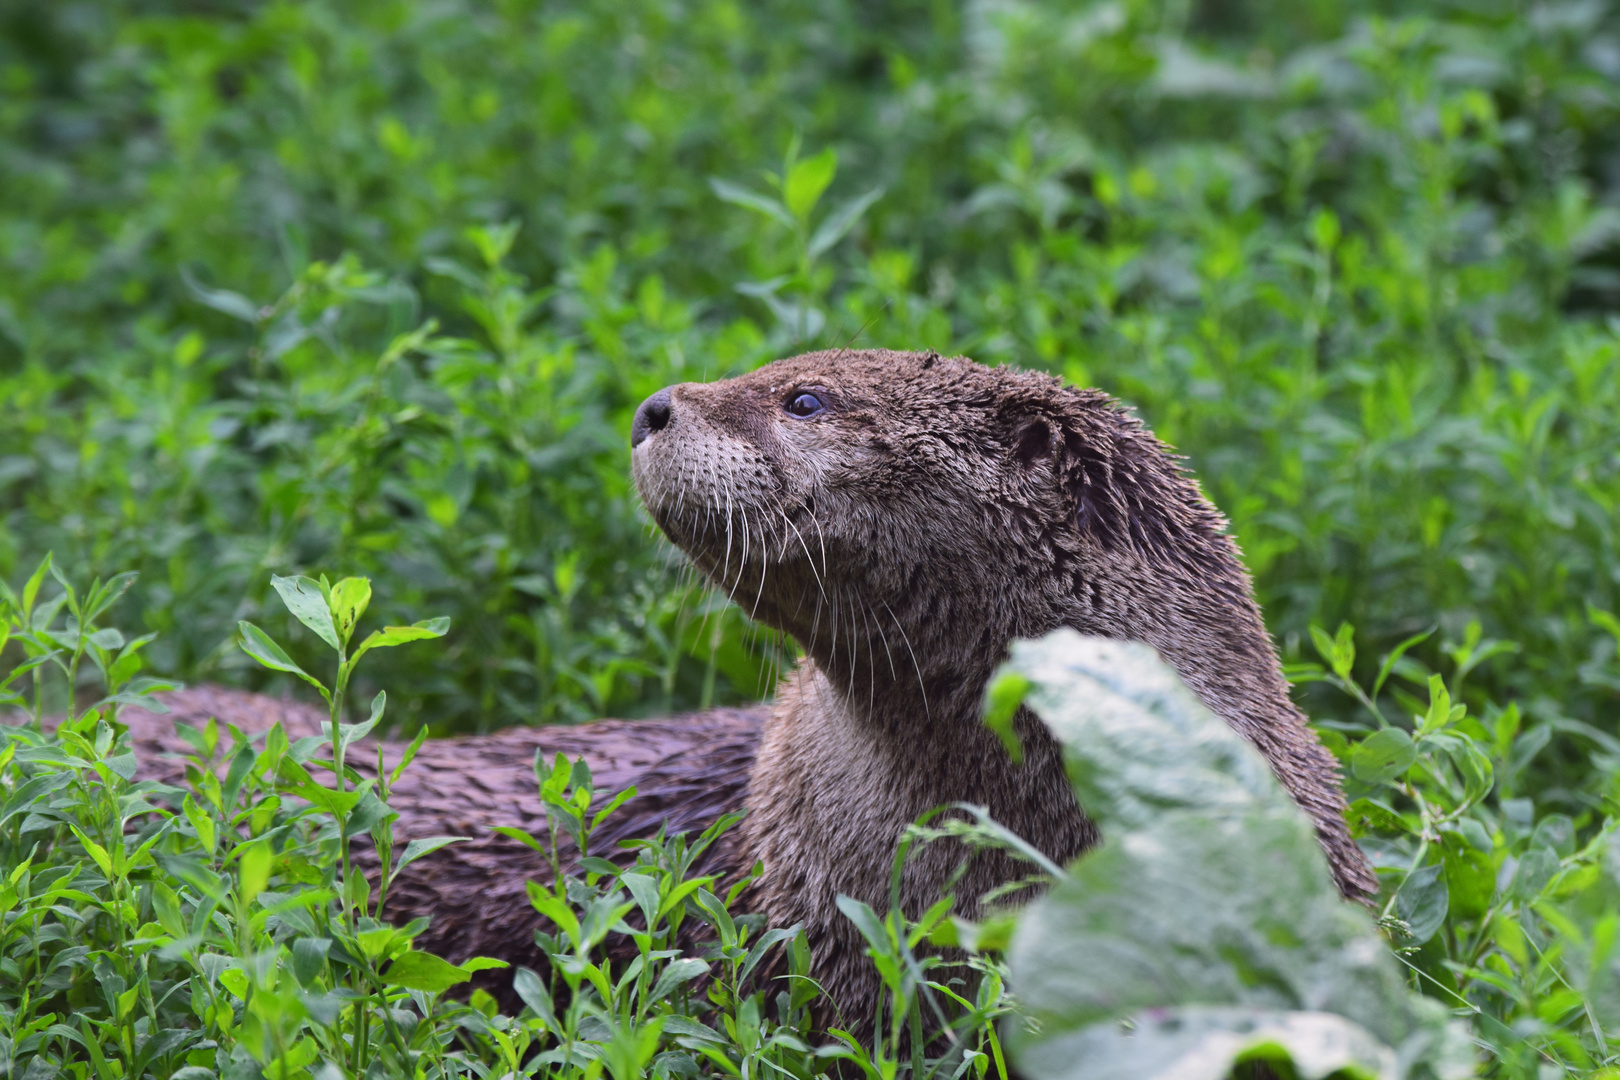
(1032, 441)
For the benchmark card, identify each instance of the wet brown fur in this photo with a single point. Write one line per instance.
(935, 510)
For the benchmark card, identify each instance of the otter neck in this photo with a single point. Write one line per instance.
(925, 660)
(916, 675)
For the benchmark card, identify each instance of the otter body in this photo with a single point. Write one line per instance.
(904, 516)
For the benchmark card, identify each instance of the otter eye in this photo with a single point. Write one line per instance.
(802, 405)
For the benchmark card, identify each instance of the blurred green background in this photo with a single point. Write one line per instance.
(373, 287)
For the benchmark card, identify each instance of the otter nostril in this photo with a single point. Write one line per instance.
(654, 415)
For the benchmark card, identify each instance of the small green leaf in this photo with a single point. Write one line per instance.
(483, 963)
(390, 636)
(259, 645)
(1423, 901)
(531, 990)
(357, 891)
(426, 972)
(806, 180)
(95, 851)
(1383, 756)
(427, 845)
(305, 599)
(1002, 698)
(35, 580)
(166, 905)
(409, 755)
(308, 958)
(350, 597)
(1394, 658)
(675, 973)
(840, 221)
(740, 196)
(253, 870)
(222, 300)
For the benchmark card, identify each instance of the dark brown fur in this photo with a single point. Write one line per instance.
(932, 512)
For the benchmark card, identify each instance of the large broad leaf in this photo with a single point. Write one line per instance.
(1230, 910)
(1137, 743)
(1209, 903)
(1200, 1043)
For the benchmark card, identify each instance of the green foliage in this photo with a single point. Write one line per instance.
(224, 930)
(1500, 903)
(378, 285)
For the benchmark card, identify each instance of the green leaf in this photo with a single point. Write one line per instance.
(427, 845)
(531, 990)
(233, 304)
(1002, 697)
(483, 963)
(253, 870)
(1423, 901)
(872, 928)
(1339, 651)
(1209, 890)
(1205, 1042)
(96, 852)
(166, 905)
(408, 756)
(1394, 658)
(741, 196)
(1132, 765)
(390, 636)
(305, 599)
(676, 972)
(1383, 756)
(840, 221)
(259, 645)
(806, 180)
(426, 972)
(309, 958)
(35, 580)
(350, 597)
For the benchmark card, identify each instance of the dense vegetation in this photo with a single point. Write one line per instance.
(375, 286)
(372, 288)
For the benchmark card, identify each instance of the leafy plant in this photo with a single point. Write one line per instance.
(224, 929)
(1206, 931)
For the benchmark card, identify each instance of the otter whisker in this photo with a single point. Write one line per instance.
(921, 688)
(821, 539)
(893, 674)
(871, 660)
(808, 558)
(763, 566)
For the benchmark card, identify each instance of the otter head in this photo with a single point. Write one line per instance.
(905, 515)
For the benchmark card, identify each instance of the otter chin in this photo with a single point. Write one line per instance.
(904, 516)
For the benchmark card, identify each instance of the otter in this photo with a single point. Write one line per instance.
(904, 516)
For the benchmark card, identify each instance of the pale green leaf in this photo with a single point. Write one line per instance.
(306, 600)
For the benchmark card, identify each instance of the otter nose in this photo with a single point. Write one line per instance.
(653, 415)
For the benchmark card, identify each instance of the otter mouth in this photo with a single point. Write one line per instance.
(747, 551)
